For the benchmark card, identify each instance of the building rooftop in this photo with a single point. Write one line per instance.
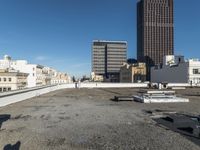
(107, 41)
(89, 119)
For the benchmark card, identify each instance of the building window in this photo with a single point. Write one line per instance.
(196, 71)
(1, 90)
(10, 79)
(9, 89)
(4, 79)
(33, 74)
(0, 79)
(4, 89)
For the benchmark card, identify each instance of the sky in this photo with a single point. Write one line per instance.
(59, 33)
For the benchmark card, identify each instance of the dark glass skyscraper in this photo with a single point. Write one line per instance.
(155, 30)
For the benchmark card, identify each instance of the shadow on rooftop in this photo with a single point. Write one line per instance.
(16, 146)
(186, 125)
(12, 147)
(4, 118)
(122, 98)
(195, 94)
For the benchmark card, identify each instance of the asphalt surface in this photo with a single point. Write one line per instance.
(82, 119)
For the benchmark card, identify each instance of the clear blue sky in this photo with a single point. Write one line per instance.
(59, 33)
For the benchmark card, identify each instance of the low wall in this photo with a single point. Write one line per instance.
(113, 85)
(20, 95)
(178, 85)
(17, 96)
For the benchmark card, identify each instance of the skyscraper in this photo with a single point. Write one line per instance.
(155, 30)
(108, 57)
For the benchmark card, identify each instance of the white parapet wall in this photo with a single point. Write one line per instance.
(20, 95)
(178, 85)
(17, 96)
(112, 85)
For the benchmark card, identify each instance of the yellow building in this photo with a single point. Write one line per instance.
(12, 80)
(60, 78)
(130, 73)
(96, 78)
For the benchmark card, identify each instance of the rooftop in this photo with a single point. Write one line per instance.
(89, 119)
(107, 41)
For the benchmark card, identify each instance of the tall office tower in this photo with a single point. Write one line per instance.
(108, 57)
(155, 30)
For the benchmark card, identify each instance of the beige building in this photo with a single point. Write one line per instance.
(130, 73)
(60, 78)
(47, 74)
(12, 80)
(38, 75)
(96, 78)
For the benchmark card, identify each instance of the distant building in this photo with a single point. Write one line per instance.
(47, 73)
(60, 78)
(155, 31)
(96, 78)
(12, 80)
(35, 77)
(107, 58)
(130, 73)
(176, 70)
(38, 75)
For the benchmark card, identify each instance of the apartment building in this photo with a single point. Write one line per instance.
(176, 69)
(60, 78)
(12, 80)
(38, 75)
(34, 71)
(47, 73)
(133, 73)
(35, 77)
(107, 58)
(96, 78)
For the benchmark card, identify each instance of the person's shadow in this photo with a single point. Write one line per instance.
(12, 147)
(4, 118)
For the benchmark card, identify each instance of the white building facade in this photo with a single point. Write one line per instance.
(38, 75)
(176, 70)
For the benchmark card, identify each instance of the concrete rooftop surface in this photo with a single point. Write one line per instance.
(82, 119)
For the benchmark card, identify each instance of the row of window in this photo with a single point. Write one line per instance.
(109, 53)
(116, 60)
(5, 89)
(196, 71)
(59, 81)
(5, 79)
(195, 80)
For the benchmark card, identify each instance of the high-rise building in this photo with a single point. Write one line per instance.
(155, 30)
(107, 58)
